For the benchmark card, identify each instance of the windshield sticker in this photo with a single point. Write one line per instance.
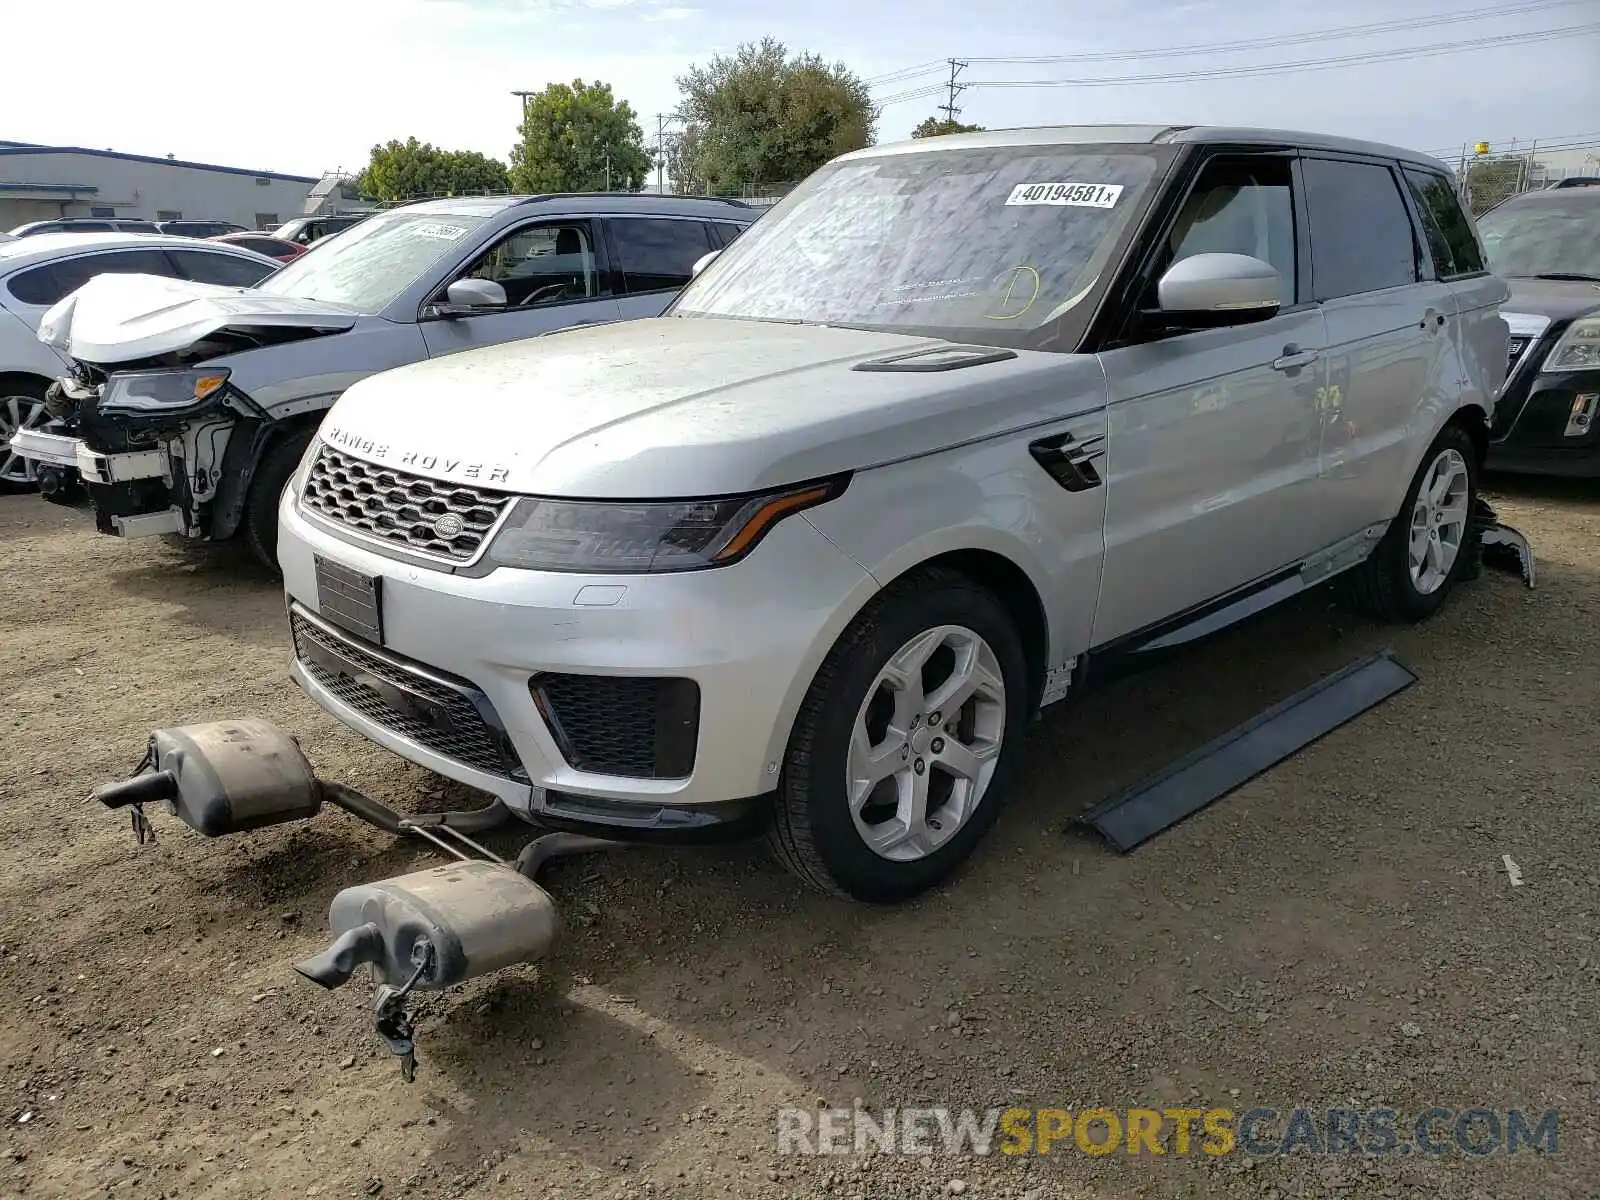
(448, 233)
(1077, 195)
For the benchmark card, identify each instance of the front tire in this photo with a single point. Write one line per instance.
(905, 741)
(1428, 547)
(266, 489)
(21, 407)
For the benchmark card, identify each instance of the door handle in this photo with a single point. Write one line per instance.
(1293, 358)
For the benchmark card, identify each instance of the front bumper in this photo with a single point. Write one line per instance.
(745, 641)
(1534, 430)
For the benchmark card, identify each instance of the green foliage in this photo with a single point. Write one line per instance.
(411, 169)
(938, 126)
(569, 133)
(762, 116)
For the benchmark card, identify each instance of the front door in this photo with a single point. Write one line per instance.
(554, 277)
(1213, 435)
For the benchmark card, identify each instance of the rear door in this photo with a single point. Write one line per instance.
(1482, 338)
(652, 258)
(554, 275)
(1392, 368)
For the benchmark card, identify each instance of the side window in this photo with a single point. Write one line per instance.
(725, 231)
(542, 264)
(1240, 206)
(226, 269)
(47, 284)
(657, 255)
(1451, 238)
(1361, 235)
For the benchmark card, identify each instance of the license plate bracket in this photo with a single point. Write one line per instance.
(350, 600)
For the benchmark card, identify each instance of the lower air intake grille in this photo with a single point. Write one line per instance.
(620, 725)
(447, 718)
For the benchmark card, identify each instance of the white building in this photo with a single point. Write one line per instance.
(40, 183)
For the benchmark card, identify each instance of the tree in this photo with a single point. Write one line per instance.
(763, 117)
(939, 126)
(578, 137)
(411, 169)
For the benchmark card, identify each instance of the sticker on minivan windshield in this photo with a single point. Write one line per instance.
(1078, 195)
(448, 233)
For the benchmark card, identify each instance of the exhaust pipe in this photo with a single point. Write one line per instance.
(425, 931)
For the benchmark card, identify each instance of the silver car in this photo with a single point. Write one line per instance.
(37, 271)
(953, 421)
(195, 403)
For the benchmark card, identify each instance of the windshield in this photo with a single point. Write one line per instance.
(1544, 233)
(369, 264)
(985, 245)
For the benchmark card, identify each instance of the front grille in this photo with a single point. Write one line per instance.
(641, 728)
(449, 520)
(445, 717)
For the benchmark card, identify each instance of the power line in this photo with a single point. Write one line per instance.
(1322, 35)
(1348, 60)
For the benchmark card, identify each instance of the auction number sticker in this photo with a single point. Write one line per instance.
(1078, 195)
(448, 233)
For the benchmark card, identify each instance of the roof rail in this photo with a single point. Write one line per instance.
(1577, 181)
(729, 200)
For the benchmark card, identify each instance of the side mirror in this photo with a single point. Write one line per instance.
(465, 294)
(1208, 291)
(701, 263)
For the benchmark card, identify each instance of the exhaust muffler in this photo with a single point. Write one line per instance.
(425, 931)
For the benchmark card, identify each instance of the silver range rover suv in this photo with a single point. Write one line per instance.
(953, 420)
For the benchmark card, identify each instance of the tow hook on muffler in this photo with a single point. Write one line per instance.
(425, 931)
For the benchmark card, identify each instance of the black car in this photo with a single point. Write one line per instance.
(200, 229)
(1546, 245)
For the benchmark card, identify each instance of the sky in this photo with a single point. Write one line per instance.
(307, 89)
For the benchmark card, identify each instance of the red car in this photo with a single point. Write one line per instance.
(262, 243)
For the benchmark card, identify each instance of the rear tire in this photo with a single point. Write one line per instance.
(266, 490)
(948, 731)
(1435, 522)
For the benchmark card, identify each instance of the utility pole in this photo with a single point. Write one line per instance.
(606, 151)
(948, 108)
(523, 96)
(661, 151)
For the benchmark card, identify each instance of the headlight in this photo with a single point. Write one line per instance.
(1578, 349)
(161, 392)
(640, 537)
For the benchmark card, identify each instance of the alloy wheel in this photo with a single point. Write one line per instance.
(926, 742)
(1439, 521)
(17, 413)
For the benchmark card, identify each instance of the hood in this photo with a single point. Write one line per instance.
(124, 318)
(1554, 299)
(693, 406)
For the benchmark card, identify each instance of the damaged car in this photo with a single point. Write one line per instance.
(193, 403)
(958, 422)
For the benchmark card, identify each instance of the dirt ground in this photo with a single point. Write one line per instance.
(1340, 931)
